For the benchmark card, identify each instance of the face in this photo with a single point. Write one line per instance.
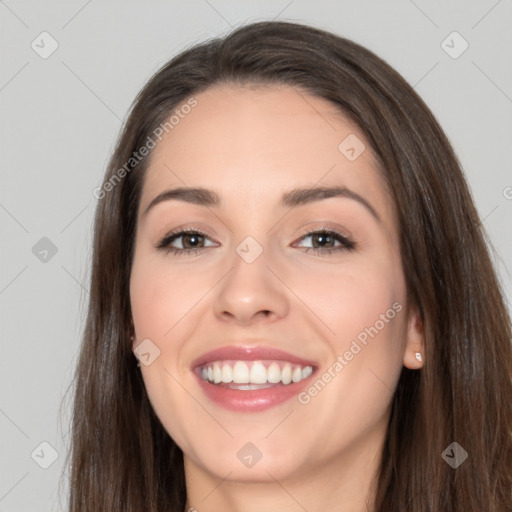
(274, 316)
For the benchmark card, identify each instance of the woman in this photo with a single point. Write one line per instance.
(285, 241)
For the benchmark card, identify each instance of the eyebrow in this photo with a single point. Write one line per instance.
(291, 199)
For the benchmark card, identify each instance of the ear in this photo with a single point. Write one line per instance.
(415, 341)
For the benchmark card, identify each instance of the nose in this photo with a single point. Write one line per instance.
(249, 293)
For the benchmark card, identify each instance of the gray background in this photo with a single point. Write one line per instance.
(60, 116)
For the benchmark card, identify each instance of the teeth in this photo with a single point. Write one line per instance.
(217, 377)
(254, 372)
(258, 374)
(240, 373)
(286, 375)
(306, 372)
(274, 373)
(227, 373)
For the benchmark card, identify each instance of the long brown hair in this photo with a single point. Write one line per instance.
(122, 458)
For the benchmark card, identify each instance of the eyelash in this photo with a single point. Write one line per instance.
(346, 243)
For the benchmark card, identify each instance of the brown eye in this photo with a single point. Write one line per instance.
(327, 241)
(184, 242)
(192, 240)
(322, 240)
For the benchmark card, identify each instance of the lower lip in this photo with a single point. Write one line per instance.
(251, 400)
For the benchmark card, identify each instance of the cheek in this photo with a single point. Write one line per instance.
(161, 296)
(361, 311)
(355, 298)
(162, 300)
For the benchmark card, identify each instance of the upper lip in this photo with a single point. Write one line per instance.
(250, 353)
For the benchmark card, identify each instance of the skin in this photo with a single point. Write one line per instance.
(250, 144)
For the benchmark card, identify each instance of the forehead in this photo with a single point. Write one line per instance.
(261, 140)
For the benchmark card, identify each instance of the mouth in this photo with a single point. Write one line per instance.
(246, 375)
(251, 379)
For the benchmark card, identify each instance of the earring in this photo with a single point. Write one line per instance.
(418, 356)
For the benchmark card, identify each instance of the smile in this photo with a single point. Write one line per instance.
(251, 379)
(247, 375)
